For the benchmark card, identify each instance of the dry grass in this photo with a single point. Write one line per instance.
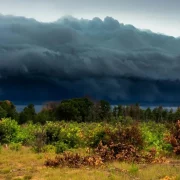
(25, 164)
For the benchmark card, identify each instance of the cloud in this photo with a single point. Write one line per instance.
(71, 57)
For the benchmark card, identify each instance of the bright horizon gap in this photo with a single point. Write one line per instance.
(154, 29)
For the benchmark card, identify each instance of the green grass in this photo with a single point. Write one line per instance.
(25, 165)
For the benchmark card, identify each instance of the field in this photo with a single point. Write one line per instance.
(99, 143)
(25, 164)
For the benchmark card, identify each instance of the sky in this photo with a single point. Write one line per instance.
(162, 16)
(103, 59)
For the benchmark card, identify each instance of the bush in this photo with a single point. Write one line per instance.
(49, 148)
(39, 141)
(174, 138)
(126, 120)
(27, 135)
(130, 135)
(72, 160)
(97, 138)
(69, 134)
(95, 133)
(52, 132)
(61, 147)
(117, 133)
(9, 130)
(153, 135)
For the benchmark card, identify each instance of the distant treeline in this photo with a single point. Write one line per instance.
(86, 110)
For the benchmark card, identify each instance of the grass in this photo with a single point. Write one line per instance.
(25, 164)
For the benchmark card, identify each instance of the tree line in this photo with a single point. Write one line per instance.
(86, 110)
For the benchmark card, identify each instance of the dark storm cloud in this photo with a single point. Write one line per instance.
(71, 57)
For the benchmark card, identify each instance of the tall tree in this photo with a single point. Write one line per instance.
(105, 110)
(148, 114)
(28, 114)
(3, 113)
(10, 109)
(120, 110)
(115, 112)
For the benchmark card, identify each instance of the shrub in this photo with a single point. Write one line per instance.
(71, 160)
(117, 134)
(174, 138)
(99, 136)
(49, 148)
(126, 120)
(94, 134)
(128, 135)
(69, 134)
(61, 147)
(27, 135)
(52, 132)
(153, 135)
(9, 130)
(40, 140)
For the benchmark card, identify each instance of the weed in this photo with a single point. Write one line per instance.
(134, 169)
(15, 146)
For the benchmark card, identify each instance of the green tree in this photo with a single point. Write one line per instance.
(148, 114)
(44, 116)
(165, 114)
(177, 115)
(171, 115)
(84, 107)
(3, 113)
(120, 110)
(28, 114)
(115, 112)
(78, 109)
(105, 109)
(10, 109)
(67, 111)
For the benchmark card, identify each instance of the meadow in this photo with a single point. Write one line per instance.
(25, 164)
(82, 139)
(88, 151)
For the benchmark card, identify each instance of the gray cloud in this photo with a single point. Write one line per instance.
(71, 57)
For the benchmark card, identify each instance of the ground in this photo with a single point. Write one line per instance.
(25, 164)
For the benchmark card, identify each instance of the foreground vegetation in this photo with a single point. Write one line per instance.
(25, 164)
(125, 142)
(71, 150)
